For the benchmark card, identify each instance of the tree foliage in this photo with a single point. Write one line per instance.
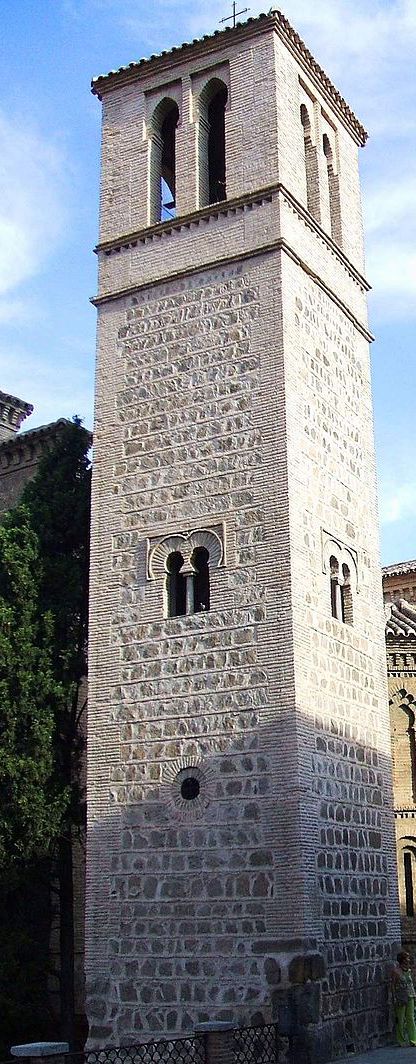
(31, 804)
(44, 560)
(58, 502)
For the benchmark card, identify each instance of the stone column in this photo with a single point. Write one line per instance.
(218, 1042)
(154, 200)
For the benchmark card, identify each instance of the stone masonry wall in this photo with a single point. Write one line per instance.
(195, 889)
(344, 737)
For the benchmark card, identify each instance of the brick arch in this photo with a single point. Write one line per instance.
(161, 112)
(211, 141)
(344, 557)
(305, 119)
(311, 165)
(162, 126)
(186, 543)
(210, 89)
(402, 710)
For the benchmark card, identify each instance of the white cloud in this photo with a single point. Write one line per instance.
(31, 206)
(398, 503)
(55, 386)
(391, 202)
(392, 269)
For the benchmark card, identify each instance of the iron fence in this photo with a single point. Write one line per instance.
(188, 1050)
(250, 1045)
(255, 1045)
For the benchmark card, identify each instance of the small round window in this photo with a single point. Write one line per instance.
(188, 791)
(190, 788)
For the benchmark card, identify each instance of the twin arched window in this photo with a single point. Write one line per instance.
(187, 588)
(183, 562)
(210, 151)
(312, 177)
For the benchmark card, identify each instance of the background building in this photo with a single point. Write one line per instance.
(20, 452)
(399, 585)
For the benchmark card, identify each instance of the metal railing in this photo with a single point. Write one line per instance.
(255, 1045)
(250, 1045)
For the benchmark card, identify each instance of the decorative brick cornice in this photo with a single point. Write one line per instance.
(12, 412)
(225, 207)
(185, 221)
(279, 244)
(324, 83)
(275, 20)
(26, 448)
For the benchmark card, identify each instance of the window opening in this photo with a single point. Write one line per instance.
(346, 596)
(200, 560)
(211, 143)
(168, 164)
(175, 585)
(341, 593)
(333, 190)
(216, 146)
(162, 167)
(336, 600)
(311, 166)
(190, 788)
(408, 884)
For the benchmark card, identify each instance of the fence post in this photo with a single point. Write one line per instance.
(218, 1042)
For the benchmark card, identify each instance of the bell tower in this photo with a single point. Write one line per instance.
(241, 860)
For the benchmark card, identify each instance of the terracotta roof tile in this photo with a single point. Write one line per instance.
(275, 19)
(400, 619)
(399, 568)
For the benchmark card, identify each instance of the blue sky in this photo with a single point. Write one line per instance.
(49, 164)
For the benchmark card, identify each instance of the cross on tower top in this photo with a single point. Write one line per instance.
(235, 14)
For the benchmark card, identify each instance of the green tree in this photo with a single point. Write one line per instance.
(44, 547)
(32, 801)
(58, 503)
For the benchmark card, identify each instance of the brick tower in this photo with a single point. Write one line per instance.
(240, 846)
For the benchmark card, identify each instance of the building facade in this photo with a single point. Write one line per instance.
(399, 586)
(20, 452)
(241, 856)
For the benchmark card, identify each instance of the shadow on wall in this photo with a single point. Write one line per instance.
(229, 893)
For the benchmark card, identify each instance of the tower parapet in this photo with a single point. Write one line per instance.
(13, 412)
